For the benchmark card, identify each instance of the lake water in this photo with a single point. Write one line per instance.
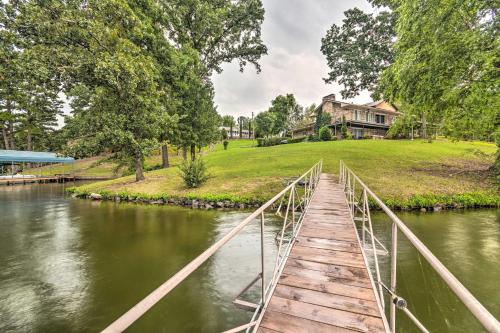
(72, 265)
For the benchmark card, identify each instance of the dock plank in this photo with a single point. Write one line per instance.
(325, 284)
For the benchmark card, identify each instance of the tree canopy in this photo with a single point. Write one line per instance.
(358, 51)
(137, 74)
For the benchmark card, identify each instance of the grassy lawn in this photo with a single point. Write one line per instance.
(98, 166)
(396, 170)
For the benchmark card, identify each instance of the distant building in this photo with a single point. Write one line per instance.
(236, 132)
(372, 119)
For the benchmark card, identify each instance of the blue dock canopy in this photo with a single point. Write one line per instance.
(18, 156)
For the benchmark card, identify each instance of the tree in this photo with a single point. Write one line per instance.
(107, 66)
(322, 119)
(228, 121)
(264, 123)
(242, 123)
(217, 32)
(325, 134)
(359, 50)
(446, 65)
(250, 125)
(29, 102)
(287, 113)
(343, 129)
(220, 31)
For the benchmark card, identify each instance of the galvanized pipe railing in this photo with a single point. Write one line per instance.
(349, 180)
(306, 185)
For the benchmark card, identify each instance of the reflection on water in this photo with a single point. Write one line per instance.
(71, 265)
(468, 244)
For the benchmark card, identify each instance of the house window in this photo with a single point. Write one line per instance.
(380, 119)
(357, 133)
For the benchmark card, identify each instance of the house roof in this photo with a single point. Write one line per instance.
(366, 106)
(373, 103)
(19, 156)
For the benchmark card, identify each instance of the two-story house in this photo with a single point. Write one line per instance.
(371, 119)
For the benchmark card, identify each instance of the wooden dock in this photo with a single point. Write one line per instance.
(49, 179)
(325, 286)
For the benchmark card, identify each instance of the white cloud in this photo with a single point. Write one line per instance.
(292, 31)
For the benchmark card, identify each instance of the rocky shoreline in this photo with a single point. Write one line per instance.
(184, 202)
(198, 203)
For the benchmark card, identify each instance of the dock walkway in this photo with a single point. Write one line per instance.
(325, 286)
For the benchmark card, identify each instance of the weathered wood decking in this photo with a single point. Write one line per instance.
(325, 286)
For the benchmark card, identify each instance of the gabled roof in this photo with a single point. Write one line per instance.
(373, 104)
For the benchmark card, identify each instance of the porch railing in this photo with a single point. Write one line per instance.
(358, 194)
(290, 204)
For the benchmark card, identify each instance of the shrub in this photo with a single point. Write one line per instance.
(366, 136)
(266, 142)
(325, 134)
(194, 173)
(223, 134)
(343, 128)
(297, 140)
(225, 143)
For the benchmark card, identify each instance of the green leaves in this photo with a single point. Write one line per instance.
(359, 50)
(221, 31)
(287, 113)
(264, 123)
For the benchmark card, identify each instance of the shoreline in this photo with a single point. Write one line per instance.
(423, 203)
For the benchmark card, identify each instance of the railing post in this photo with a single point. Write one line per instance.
(375, 257)
(293, 209)
(365, 203)
(394, 263)
(262, 261)
(353, 197)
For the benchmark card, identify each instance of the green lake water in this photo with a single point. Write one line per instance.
(72, 265)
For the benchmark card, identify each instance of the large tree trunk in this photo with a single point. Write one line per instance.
(139, 174)
(29, 138)
(5, 136)
(11, 134)
(164, 156)
(193, 152)
(424, 126)
(184, 152)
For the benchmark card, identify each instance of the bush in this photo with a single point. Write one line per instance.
(366, 136)
(325, 134)
(193, 173)
(223, 134)
(297, 140)
(267, 142)
(225, 143)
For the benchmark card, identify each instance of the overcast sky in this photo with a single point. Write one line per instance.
(292, 32)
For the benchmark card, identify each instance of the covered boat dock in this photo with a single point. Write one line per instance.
(12, 163)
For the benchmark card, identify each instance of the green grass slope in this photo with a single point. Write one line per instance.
(98, 166)
(406, 174)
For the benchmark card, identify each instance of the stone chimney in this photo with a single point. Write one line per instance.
(329, 98)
